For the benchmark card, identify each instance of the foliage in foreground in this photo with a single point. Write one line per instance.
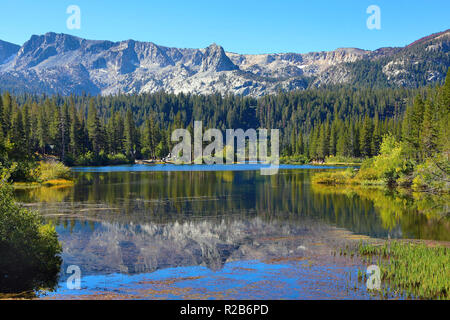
(29, 249)
(412, 270)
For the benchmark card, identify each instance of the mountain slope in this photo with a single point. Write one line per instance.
(7, 50)
(60, 63)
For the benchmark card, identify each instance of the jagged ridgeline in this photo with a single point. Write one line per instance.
(88, 130)
(63, 64)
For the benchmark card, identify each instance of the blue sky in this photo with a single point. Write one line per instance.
(244, 26)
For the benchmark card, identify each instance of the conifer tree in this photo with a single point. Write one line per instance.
(94, 128)
(333, 137)
(75, 132)
(300, 144)
(7, 112)
(42, 130)
(1, 116)
(430, 130)
(366, 138)
(377, 135)
(18, 136)
(130, 135)
(26, 126)
(411, 127)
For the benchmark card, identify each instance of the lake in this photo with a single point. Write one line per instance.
(201, 232)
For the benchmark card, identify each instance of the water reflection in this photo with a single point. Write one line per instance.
(104, 247)
(140, 222)
(139, 197)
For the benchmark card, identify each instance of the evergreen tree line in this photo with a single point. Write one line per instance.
(315, 123)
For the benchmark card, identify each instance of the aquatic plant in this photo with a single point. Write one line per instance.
(53, 171)
(413, 270)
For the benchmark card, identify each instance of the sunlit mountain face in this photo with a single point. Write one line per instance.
(60, 63)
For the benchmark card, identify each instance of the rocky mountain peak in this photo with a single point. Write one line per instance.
(65, 64)
(215, 59)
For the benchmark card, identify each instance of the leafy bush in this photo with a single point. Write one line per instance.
(334, 177)
(25, 171)
(101, 159)
(342, 159)
(367, 172)
(119, 158)
(161, 150)
(146, 152)
(390, 165)
(432, 175)
(29, 250)
(85, 159)
(53, 170)
(301, 159)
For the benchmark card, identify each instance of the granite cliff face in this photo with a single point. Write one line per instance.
(61, 63)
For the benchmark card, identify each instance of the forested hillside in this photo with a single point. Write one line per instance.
(314, 123)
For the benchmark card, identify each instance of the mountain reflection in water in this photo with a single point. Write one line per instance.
(133, 222)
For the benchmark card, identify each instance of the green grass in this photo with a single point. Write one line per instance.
(50, 171)
(341, 160)
(334, 177)
(350, 176)
(411, 270)
(294, 160)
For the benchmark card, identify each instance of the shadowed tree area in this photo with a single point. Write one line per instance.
(29, 249)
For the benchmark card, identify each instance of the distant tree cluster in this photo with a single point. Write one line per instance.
(314, 123)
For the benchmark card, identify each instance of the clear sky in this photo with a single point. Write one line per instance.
(243, 26)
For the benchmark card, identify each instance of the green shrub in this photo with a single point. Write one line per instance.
(101, 159)
(334, 177)
(301, 159)
(24, 171)
(118, 158)
(29, 250)
(342, 159)
(433, 175)
(85, 159)
(390, 165)
(53, 170)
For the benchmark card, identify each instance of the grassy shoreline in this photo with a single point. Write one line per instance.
(346, 177)
(49, 183)
(44, 173)
(410, 269)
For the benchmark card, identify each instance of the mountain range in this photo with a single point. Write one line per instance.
(61, 63)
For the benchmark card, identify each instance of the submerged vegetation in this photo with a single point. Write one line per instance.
(29, 249)
(411, 270)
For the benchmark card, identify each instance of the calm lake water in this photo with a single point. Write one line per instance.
(168, 231)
